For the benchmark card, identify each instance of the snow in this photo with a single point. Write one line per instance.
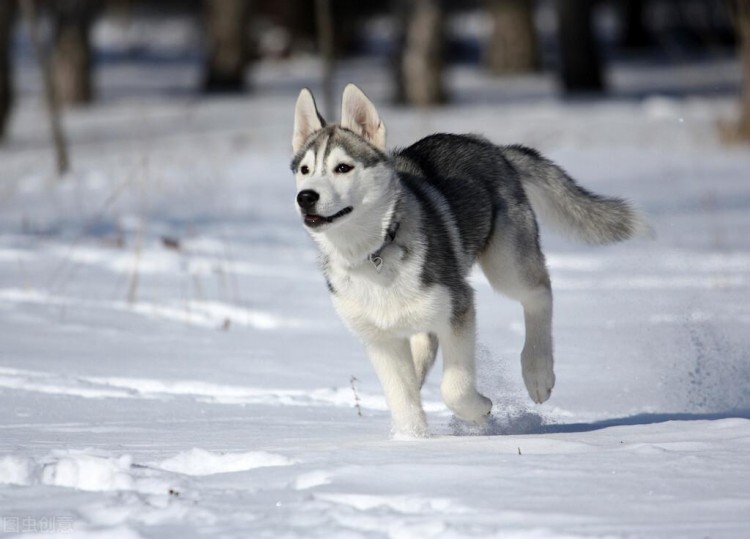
(170, 363)
(201, 462)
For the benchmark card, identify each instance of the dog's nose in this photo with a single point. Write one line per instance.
(307, 199)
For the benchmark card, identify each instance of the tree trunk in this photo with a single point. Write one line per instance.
(635, 35)
(71, 60)
(227, 45)
(512, 46)
(581, 69)
(419, 59)
(6, 81)
(326, 43)
(29, 10)
(742, 17)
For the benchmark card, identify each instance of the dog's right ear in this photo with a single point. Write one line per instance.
(307, 119)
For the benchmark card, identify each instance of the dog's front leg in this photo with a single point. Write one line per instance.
(458, 387)
(395, 369)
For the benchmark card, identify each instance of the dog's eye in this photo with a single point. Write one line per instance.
(342, 168)
(304, 169)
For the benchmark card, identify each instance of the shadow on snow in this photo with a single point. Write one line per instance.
(534, 423)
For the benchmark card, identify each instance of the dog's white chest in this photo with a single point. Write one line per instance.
(386, 300)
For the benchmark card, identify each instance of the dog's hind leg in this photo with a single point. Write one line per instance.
(424, 347)
(514, 265)
(393, 365)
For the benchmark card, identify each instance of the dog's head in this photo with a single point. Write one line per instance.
(341, 170)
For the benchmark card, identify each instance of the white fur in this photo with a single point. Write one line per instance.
(372, 193)
(387, 318)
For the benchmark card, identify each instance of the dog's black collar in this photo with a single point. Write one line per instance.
(390, 235)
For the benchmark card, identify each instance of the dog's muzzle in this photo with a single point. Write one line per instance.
(307, 199)
(313, 220)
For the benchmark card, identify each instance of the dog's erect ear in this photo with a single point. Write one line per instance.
(307, 119)
(359, 114)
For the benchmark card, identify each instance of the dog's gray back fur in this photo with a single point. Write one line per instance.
(467, 171)
(475, 181)
(481, 181)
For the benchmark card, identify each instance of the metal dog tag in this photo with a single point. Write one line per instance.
(377, 262)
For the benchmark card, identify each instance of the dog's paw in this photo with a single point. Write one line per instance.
(474, 408)
(479, 412)
(410, 431)
(539, 377)
(483, 410)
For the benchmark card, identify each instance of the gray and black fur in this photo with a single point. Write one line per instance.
(400, 231)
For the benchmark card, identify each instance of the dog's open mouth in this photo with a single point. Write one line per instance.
(313, 220)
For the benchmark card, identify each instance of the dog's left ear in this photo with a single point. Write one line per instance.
(359, 115)
(307, 119)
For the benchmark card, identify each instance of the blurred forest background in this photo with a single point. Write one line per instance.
(70, 40)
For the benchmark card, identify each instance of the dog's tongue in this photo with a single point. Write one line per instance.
(315, 220)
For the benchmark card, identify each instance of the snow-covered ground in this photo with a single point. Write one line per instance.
(170, 364)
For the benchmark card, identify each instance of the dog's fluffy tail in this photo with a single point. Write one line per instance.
(577, 212)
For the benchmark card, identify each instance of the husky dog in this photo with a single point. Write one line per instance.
(399, 233)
